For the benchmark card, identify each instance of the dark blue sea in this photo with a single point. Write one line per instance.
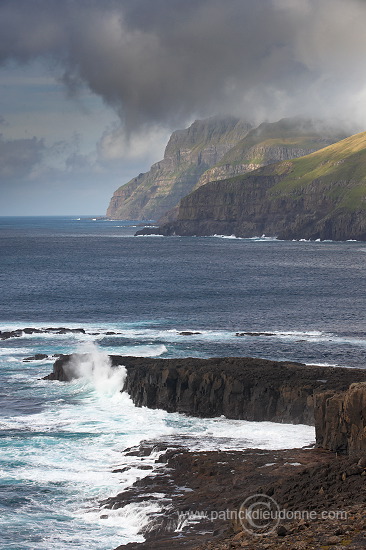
(301, 301)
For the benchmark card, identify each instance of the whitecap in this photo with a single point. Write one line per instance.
(150, 235)
(143, 351)
(14, 351)
(225, 236)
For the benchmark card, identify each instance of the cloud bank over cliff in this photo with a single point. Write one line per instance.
(91, 89)
(168, 61)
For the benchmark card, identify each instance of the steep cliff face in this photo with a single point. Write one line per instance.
(242, 388)
(340, 419)
(319, 196)
(213, 149)
(188, 154)
(286, 139)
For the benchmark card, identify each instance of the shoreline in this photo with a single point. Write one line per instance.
(328, 477)
(333, 399)
(216, 483)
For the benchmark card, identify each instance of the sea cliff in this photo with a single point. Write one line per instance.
(188, 154)
(213, 149)
(298, 480)
(340, 419)
(250, 389)
(319, 196)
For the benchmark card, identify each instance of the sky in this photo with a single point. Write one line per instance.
(90, 90)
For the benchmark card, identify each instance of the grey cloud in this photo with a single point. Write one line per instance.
(19, 156)
(78, 163)
(167, 61)
(3, 121)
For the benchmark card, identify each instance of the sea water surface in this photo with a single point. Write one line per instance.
(59, 444)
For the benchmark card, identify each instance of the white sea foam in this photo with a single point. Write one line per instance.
(78, 439)
(224, 434)
(263, 238)
(94, 366)
(139, 350)
(131, 516)
(13, 351)
(139, 332)
(173, 335)
(151, 235)
(226, 236)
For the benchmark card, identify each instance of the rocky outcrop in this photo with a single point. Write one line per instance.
(188, 155)
(19, 332)
(320, 196)
(241, 388)
(249, 389)
(340, 419)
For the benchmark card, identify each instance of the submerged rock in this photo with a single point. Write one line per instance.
(36, 357)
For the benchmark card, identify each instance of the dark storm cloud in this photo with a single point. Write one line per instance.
(165, 61)
(19, 156)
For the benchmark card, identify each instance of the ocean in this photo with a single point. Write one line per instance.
(60, 442)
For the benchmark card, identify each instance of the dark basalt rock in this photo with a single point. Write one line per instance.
(255, 334)
(297, 479)
(63, 330)
(253, 389)
(28, 330)
(236, 387)
(5, 335)
(148, 231)
(36, 357)
(58, 372)
(340, 419)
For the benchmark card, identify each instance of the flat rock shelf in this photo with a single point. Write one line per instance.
(330, 477)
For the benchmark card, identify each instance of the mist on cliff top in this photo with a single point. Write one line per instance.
(166, 62)
(92, 89)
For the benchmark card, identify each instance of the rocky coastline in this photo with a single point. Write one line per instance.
(213, 149)
(315, 197)
(331, 398)
(314, 482)
(331, 476)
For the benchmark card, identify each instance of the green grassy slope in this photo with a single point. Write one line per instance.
(319, 196)
(339, 169)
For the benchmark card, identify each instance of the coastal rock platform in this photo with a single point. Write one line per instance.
(327, 490)
(331, 398)
(328, 480)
